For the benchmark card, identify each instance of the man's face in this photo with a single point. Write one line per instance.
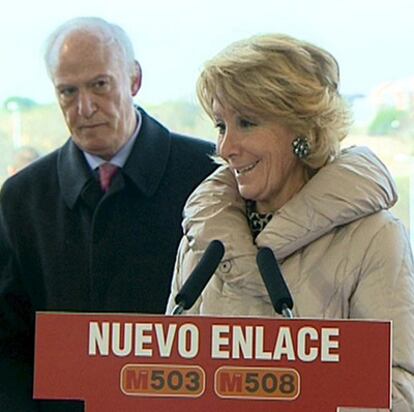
(95, 87)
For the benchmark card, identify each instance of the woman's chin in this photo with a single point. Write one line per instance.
(247, 193)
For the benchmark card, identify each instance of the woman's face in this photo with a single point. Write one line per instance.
(259, 152)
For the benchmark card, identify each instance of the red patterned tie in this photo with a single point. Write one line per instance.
(106, 172)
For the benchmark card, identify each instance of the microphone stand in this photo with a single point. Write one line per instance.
(286, 312)
(178, 309)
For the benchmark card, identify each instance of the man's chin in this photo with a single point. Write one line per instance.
(89, 133)
(91, 147)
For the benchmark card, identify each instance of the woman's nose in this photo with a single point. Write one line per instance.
(228, 146)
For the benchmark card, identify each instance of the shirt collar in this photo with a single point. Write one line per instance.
(122, 155)
(145, 166)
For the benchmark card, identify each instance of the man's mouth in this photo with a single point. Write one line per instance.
(91, 126)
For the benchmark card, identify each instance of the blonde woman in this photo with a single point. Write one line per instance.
(286, 185)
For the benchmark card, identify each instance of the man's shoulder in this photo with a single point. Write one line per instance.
(178, 141)
(193, 156)
(192, 144)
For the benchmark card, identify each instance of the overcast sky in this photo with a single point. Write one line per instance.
(373, 40)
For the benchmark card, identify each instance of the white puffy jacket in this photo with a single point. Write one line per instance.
(343, 255)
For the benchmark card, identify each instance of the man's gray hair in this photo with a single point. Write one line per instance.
(111, 33)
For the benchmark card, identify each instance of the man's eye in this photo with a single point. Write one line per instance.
(67, 92)
(100, 85)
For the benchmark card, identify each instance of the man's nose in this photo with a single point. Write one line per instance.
(86, 104)
(228, 146)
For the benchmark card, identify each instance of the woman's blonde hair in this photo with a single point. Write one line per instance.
(291, 81)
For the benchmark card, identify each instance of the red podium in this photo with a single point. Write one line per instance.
(127, 363)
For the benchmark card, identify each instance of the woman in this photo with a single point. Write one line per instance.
(285, 185)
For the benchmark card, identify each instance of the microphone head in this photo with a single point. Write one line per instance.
(200, 276)
(273, 279)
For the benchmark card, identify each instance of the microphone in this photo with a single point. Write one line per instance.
(199, 278)
(275, 284)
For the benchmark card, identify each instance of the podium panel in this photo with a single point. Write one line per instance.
(122, 362)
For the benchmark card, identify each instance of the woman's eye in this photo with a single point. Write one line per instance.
(221, 127)
(245, 123)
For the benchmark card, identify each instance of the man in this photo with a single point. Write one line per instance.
(72, 240)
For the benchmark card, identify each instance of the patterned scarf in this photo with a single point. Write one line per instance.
(257, 221)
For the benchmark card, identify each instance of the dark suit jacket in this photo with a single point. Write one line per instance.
(66, 247)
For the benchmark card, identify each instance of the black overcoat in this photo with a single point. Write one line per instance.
(64, 246)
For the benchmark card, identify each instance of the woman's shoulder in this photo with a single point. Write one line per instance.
(379, 237)
(378, 224)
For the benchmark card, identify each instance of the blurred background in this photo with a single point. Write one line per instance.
(372, 41)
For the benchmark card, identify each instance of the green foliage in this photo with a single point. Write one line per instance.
(183, 117)
(387, 121)
(20, 103)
